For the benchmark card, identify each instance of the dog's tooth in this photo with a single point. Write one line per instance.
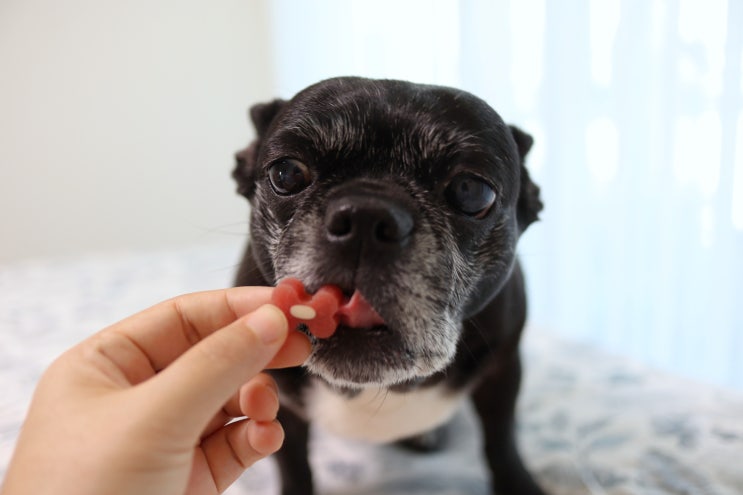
(303, 312)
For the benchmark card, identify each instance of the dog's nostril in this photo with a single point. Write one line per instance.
(340, 224)
(394, 227)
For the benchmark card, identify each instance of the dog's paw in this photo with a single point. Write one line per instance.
(429, 441)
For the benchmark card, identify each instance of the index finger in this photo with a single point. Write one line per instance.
(168, 329)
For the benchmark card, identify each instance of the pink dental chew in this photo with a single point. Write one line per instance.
(316, 311)
(323, 311)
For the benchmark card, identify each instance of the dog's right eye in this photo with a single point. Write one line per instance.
(289, 176)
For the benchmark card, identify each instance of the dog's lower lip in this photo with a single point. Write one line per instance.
(375, 329)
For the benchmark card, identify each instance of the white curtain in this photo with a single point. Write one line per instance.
(637, 111)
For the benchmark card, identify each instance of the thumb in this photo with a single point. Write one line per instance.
(188, 393)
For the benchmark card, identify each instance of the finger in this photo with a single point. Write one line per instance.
(218, 421)
(294, 352)
(261, 398)
(232, 449)
(167, 330)
(262, 385)
(188, 393)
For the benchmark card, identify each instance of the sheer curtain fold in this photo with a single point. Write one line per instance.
(637, 112)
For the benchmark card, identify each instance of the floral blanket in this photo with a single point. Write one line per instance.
(590, 423)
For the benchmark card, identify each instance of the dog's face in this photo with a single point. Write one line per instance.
(412, 195)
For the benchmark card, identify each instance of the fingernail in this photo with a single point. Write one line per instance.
(268, 323)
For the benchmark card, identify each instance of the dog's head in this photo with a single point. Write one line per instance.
(412, 195)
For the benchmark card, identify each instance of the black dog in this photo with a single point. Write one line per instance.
(413, 196)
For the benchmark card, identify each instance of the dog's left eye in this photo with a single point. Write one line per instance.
(470, 195)
(289, 176)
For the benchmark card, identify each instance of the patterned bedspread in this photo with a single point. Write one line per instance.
(590, 423)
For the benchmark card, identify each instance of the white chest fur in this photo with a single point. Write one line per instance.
(378, 415)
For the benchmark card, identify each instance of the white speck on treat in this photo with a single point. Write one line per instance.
(302, 312)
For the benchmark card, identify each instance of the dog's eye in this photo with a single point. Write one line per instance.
(289, 176)
(470, 195)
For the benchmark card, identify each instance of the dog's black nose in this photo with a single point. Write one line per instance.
(376, 222)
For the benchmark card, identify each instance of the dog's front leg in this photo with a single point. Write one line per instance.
(495, 401)
(292, 459)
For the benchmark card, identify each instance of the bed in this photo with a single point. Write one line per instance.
(589, 422)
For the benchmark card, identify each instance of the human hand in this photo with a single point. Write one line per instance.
(142, 406)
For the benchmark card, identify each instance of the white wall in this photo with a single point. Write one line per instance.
(119, 120)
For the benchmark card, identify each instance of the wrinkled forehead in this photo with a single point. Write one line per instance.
(411, 121)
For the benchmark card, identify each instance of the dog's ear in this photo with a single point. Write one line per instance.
(261, 115)
(529, 203)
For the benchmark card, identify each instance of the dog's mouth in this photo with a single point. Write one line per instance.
(357, 312)
(353, 343)
(355, 317)
(321, 313)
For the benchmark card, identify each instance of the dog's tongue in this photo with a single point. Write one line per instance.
(358, 313)
(321, 313)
